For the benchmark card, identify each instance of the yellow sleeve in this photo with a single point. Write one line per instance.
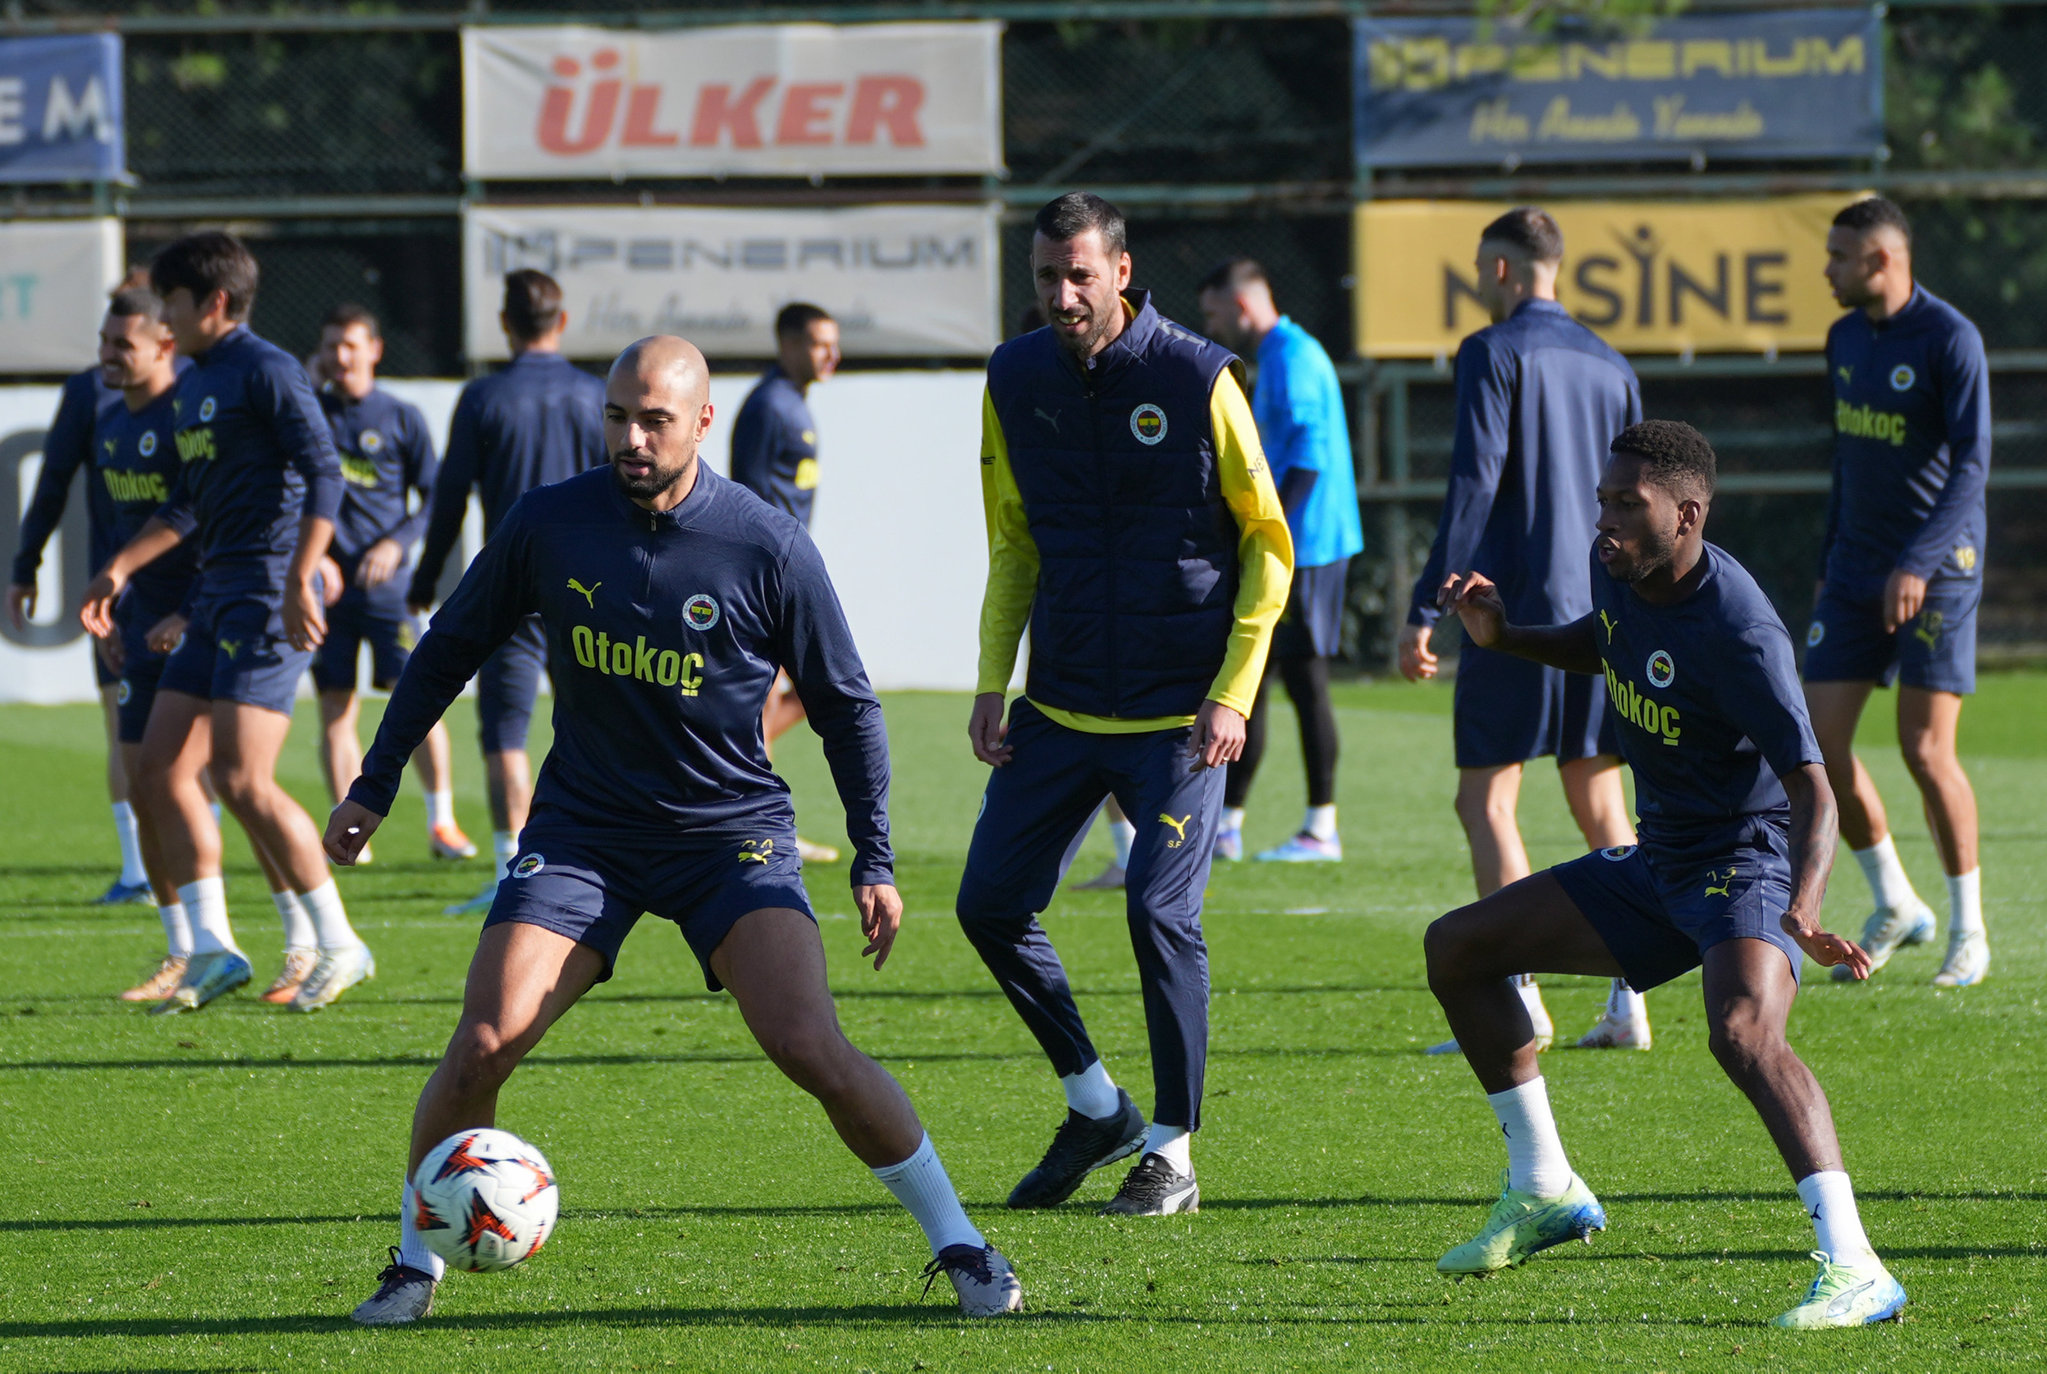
(1012, 558)
(1265, 551)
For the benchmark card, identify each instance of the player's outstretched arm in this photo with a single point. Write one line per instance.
(348, 829)
(1814, 818)
(156, 538)
(1573, 647)
(881, 915)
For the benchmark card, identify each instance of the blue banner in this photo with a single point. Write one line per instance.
(60, 109)
(1452, 92)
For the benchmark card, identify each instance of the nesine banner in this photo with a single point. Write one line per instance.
(1452, 92)
(60, 109)
(571, 101)
(1650, 276)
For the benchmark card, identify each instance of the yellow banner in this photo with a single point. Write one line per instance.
(1649, 276)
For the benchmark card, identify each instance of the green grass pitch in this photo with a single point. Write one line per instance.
(215, 1191)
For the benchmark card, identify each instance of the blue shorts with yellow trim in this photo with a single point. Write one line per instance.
(235, 650)
(375, 616)
(1934, 651)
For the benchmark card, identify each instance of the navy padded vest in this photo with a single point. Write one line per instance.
(1116, 461)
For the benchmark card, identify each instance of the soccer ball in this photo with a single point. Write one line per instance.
(484, 1200)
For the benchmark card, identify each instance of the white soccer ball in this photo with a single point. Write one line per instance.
(485, 1200)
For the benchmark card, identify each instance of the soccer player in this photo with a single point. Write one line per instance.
(670, 600)
(257, 489)
(1133, 525)
(1299, 409)
(386, 453)
(1737, 838)
(538, 421)
(774, 456)
(1538, 398)
(1902, 570)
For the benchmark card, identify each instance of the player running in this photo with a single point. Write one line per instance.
(1133, 525)
(538, 421)
(257, 488)
(1737, 838)
(774, 456)
(670, 599)
(1538, 398)
(386, 453)
(1299, 409)
(1901, 572)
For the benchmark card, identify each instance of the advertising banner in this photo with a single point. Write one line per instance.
(1649, 276)
(570, 101)
(902, 280)
(60, 109)
(1459, 92)
(54, 279)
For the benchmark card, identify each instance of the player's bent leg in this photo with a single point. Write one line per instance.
(1599, 804)
(1485, 804)
(1927, 722)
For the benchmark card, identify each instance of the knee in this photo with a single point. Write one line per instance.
(235, 784)
(1742, 1041)
(480, 1059)
(816, 1059)
(1448, 950)
(1924, 756)
(1481, 811)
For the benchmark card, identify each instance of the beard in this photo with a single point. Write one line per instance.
(1097, 326)
(657, 480)
(1658, 549)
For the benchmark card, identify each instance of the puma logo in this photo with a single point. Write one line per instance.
(230, 647)
(589, 594)
(755, 851)
(1611, 626)
(1052, 420)
(1927, 631)
(1721, 890)
(1847, 375)
(1179, 828)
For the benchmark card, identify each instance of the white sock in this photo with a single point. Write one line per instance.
(177, 930)
(412, 1251)
(330, 918)
(1122, 834)
(298, 922)
(1091, 1092)
(1320, 822)
(1830, 1202)
(505, 843)
(1536, 1164)
(1887, 880)
(1965, 903)
(440, 808)
(205, 903)
(920, 1184)
(132, 872)
(1173, 1144)
(1233, 818)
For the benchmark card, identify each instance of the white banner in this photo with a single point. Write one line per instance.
(54, 278)
(571, 101)
(902, 280)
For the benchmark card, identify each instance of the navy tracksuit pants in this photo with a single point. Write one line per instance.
(1036, 808)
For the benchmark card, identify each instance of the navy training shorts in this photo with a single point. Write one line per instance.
(1509, 710)
(375, 616)
(235, 650)
(1934, 651)
(141, 668)
(506, 687)
(1312, 624)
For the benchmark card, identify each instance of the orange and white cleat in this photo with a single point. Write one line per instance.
(158, 985)
(448, 842)
(298, 966)
(812, 853)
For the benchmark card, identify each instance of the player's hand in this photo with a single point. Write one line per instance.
(164, 636)
(986, 731)
(305, 619)
(1417, 660)
(332, 583)
(97, 613)
(1218, 735)
(1477, 603)
(111, 653)
(349, 828)
(1827, 949)
(379, 563)
(1904, 594)
(881, 915)
(21, 603)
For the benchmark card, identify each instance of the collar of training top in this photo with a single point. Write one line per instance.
(684, 514)
(1141, 322)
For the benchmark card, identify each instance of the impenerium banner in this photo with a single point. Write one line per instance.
(54, 276)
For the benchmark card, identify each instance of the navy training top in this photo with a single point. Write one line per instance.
(67, 447)
(135, 464)
(774, 445)
(538, 421)
(1911, 446)
(255, 458)
(386, 453)
(664, 634)
(1539, 398)
(1710, 709)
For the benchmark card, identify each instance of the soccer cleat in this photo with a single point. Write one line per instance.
(1886, 932)
(158, 985)
(987, 1286)
(476, 905)
(815, 853)
(448, 842)
(1521, 1225)
(1110, 879)
(1967, 962)
(1623, 1025)
(1154, 1189)
(403, 1295)
(125, 894)
(298, 966)
(207, 976)
(337, 972)
(1081, 1145)
(1305, 849)
(1846, 1295)
(1229, 845)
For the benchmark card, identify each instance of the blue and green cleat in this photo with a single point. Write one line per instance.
(207, 976)
(1846, 1295)
(1520, 1225)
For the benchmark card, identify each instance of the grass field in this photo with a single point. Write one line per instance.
(216, 1191)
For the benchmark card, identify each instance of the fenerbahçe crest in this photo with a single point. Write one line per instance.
(700, 612)
(1148, 423)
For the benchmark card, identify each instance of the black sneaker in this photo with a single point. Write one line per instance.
(1154, 1189)
(403, 1295)
(1081, 1145)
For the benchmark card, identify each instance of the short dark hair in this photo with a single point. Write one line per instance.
(136, 300)
(798, 316)
(1874, 212)
(349, 313)
(204, 263)
(1530, 229)
(533, 303)
(1674, 456)
(1233, 274)
(1076, 212)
